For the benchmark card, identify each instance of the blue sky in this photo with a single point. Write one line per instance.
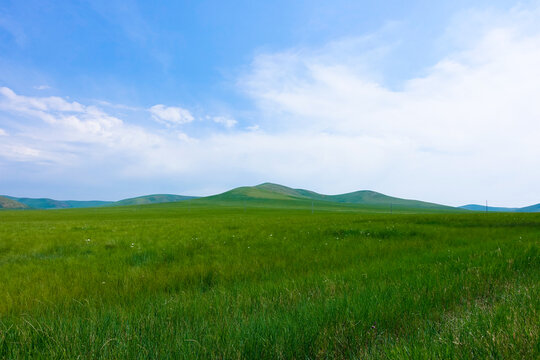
(419, 99)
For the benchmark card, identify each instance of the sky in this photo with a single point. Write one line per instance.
(430, 100)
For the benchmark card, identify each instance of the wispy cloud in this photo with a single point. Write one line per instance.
(42, 87)
(171, 115)
(14, 29)
(226, 121)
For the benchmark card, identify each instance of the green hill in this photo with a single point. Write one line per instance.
(250, 193)
(151, 199)
(284, 190)
(367, 197)
(7, 203)
(269, 191)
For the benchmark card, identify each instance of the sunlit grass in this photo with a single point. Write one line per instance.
(199, 280)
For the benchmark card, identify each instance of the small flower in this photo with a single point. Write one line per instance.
(87, 240)
(132, 244)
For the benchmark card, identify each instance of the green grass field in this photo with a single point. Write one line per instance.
(268, 279)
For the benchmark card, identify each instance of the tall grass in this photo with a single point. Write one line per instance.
(204, 281)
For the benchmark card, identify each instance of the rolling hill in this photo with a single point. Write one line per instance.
(7, 203)
(46, 203)
(151, 199)
(270, 191)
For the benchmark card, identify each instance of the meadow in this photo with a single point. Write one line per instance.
(268, 280)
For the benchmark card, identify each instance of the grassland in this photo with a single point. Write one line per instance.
(237, 278)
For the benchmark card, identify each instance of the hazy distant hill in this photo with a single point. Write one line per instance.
(7, 203)
(475, 207)
(45, 203)
(532, 208)
(152, 199)
(364, 197)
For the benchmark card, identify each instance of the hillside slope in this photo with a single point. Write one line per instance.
(364, 197)
(151, 199)
(7, 203)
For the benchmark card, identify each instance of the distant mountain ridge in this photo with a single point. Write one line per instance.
(475, 207)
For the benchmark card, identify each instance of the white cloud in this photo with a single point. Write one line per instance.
(464, 132)
(170, 115)
(226, 121)
(68, 131)
(3, 132)
(469, 126)
(42, 87)
(21, 152)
